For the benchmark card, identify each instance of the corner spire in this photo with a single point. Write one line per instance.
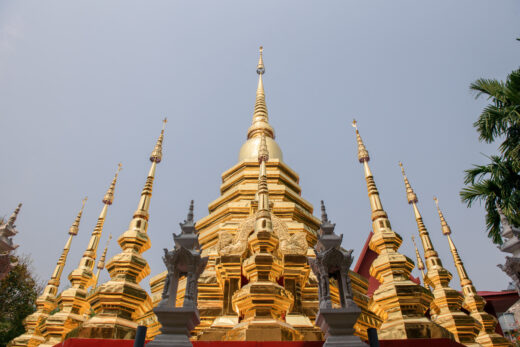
(392, 269)
(101, 262)
(430, 255)
(156, 155)
(362, 151)
(108, 199)
(127, 268)
(47, 301)
(260, 116)
(447, 301)
(73, 230)
(13, 217)
(410, 194)
(473, 302)
(420, 264)
(446, 230)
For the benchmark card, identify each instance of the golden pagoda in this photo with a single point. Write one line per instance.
(46, 302)
(400, 303)
(72, 302)
(120, 302)
(473, 302)
(224, 237)
(447, 302)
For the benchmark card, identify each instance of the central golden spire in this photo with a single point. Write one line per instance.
(399, 302)
(260, 116)
(260, 125)
(447, 302)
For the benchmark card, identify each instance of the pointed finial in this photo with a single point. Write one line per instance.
(260, 115)
(109, 196)
(362, 151)
(410, 194)
(73, 230)
(190, 213)
(263, 153)
(324, 217)
(260, 69)
(13, 217)
(101, 262)
(446, 230)
(156, 155)
(420, 264)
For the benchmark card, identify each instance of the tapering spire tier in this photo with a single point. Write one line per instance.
(420, 264)
(260, 125)
(46, 302)
(74, 228)
(101, 263)
(447, 302)
(473, 302)
(120, 302)
(108, 199)
(72, 302)
(403, 311)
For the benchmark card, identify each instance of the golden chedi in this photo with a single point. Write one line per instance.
(400, 303)
(46, 302)
(72, 302)
(224, 233)
(447, 302)
(473, 302)
(118, 303)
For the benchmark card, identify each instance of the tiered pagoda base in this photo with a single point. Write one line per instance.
(75, 342)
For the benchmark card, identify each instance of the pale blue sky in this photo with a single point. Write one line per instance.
(85, 84)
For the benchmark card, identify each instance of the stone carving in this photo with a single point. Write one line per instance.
(7, 231)
(511, 236)
(332, 262)
(229, 244)
(183, 261)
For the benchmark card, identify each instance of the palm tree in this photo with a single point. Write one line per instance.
(498, 181)
(502, 117)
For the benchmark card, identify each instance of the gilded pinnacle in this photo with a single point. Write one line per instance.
(260, 116)
(420, 264)
(362, 151)
(410, 195)
(156, 155)
(13, 217)
(260, 69)
(446, 230)
(74, 228)
(109, 196)
(263, 153)
(101, 263)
